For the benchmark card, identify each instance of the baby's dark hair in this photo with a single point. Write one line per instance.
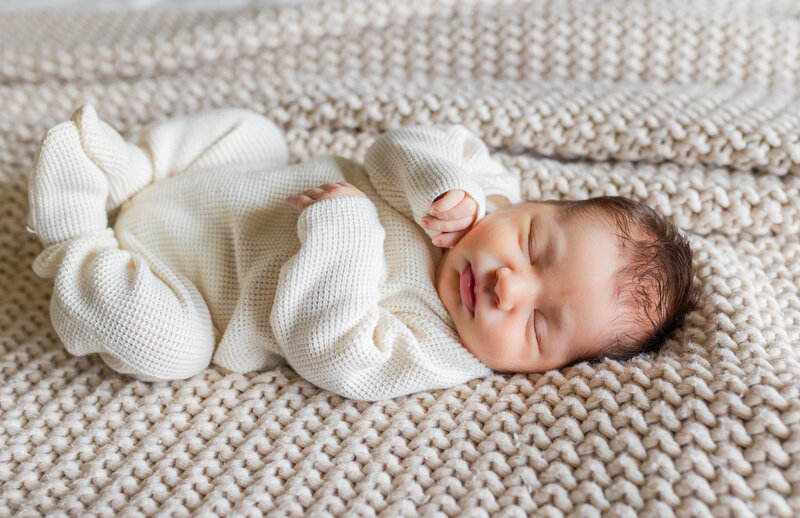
(655, 283)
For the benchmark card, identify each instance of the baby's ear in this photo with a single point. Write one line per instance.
(496, 201)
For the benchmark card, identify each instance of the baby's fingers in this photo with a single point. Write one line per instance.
(448, 239)
(298, 202)
(464, 209)
(446, 225)
(447, 201)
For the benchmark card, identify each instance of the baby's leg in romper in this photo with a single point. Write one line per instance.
(173, 146)
(107, 300)
(197, 141)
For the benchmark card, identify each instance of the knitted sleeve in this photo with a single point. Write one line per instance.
(327, 316)
(413, 165)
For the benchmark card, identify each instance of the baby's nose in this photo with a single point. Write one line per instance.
(510, 289)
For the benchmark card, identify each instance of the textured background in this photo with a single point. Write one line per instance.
(138, 5)
(692, 108)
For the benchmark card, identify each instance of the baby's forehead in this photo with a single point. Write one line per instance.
(565, 210)
(576, 223)
(578, 214)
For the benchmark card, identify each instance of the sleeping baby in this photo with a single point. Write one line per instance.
(194, 241)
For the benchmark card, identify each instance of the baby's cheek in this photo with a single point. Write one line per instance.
(571, 353)
(501, 345)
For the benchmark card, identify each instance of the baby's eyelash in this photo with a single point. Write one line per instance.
(531, 247)
(540, 328)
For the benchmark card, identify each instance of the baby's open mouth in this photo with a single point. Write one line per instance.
(467, 289)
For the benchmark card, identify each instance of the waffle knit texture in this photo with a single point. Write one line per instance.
(692, 107)
(204, 256)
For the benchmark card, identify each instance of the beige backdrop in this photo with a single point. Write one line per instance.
(692, 107)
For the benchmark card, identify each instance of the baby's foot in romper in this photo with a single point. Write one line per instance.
(127, 167)
(67, 192)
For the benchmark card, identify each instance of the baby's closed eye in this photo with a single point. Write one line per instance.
(531, 244)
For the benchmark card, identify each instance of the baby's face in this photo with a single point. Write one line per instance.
(544, 286)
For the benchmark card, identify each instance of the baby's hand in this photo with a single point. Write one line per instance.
(329, 190)
(452, 213)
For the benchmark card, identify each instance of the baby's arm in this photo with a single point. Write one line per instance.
(414, 165)
(327, 314)
(326, 304)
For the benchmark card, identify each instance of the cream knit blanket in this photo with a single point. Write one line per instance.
(693, 107)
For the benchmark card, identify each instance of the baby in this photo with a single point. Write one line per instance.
(195, 241)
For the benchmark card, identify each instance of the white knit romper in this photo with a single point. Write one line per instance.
(203, 263)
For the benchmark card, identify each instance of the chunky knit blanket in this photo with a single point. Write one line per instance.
(693, 107)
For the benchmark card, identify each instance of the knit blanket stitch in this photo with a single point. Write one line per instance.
(692, 107)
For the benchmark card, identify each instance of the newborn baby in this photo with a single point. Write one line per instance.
(194, 241)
